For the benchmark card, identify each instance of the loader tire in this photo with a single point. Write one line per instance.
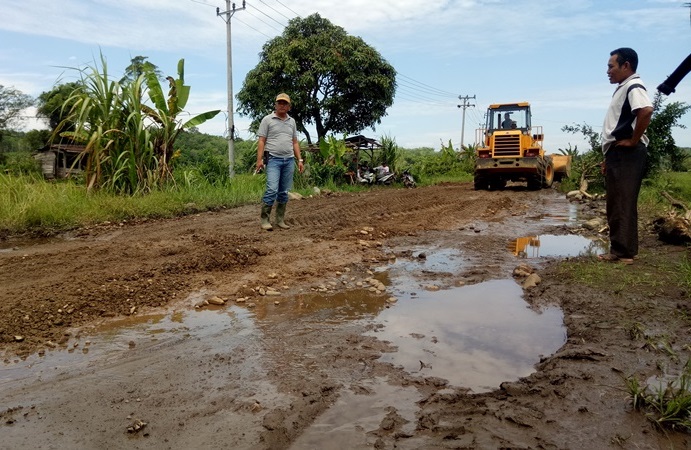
(548, 176)
(535, 183)
(497, 184)
(480, 183)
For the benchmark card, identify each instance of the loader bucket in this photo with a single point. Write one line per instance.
(562, 166)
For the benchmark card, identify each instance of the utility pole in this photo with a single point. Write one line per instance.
(465, 105)
(226, 16)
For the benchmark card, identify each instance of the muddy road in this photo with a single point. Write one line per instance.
(386, 319)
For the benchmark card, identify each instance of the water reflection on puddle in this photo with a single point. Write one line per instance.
(357, 411)
(561, 213)
(474, 336)
(112, 340)
(432, 260)
(555, 246)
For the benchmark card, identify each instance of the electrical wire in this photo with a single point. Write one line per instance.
(426, 86)
(274, 9)
(204, 3)
(250, 26)
(286, 7)
(409, 86)
(262, 12)
(264, 22)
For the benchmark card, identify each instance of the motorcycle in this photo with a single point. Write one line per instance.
(364, 175)
(407, 179)
(383, 175)
(378, 175)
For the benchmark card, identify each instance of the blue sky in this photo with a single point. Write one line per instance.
(552, 53)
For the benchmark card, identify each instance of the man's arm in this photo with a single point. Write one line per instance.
(296, 152)
(643, 116)
(260, 152)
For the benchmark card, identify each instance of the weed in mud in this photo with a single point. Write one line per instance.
(635, 331)
(668, 405)
(657, 343)
(661, 344)
(619, 440)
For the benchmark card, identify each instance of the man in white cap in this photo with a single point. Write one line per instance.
(278, 138)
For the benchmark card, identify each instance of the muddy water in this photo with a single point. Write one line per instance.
(553, 246)
(473, 336)
(344, 425)
(186, 373)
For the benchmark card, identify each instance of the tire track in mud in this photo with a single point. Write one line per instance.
(433, 208)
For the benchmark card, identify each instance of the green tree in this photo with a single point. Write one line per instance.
(52, 105)
(586, 167)
(663, 152)
(12, 102)
(337, 82)
(139, 66)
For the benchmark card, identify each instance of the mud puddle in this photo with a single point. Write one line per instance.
(556, 246)
(115, 340)
(359, 410)
(475, 336)
(560, 213)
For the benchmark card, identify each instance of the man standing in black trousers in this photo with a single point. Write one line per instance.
(624, 145)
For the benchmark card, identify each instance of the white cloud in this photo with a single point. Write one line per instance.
(552, 54)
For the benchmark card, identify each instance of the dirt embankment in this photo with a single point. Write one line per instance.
(268, 384)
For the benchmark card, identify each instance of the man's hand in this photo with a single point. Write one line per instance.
(625, 143)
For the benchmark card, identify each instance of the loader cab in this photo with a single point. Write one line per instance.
(514, 116)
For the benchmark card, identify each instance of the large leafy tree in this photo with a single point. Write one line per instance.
(12, 102)
(337, 82)
(51, 105)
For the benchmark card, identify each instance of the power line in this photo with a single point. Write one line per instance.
(286, 7)
(423, 98)
(416, 88)
(263, 21)
(251, 27)
(275, 10)
(281, 24)
(426, 86)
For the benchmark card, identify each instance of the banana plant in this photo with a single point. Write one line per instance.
(165, 114)
(332, 150)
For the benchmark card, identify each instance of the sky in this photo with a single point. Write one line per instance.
(551, 53)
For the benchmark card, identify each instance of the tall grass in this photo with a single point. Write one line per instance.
(30, 204)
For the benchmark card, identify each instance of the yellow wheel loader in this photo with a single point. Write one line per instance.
(510, 149)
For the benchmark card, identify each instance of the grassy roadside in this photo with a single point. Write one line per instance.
(35, 206)
(653, 296)
(31, 205)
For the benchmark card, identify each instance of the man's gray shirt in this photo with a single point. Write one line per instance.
(279, 134)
